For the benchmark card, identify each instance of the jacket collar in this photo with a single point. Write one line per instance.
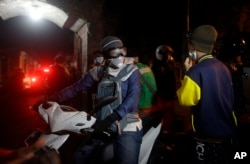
(207, 56)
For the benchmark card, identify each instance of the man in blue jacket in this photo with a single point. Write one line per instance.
(123, 119)
(207, 89)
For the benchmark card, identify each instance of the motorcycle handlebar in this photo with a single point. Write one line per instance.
(46, 105)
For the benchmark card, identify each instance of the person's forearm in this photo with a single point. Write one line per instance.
(72, 91)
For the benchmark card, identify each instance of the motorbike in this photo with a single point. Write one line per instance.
(69, 127)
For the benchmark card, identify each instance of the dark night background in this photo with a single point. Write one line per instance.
(151, 23)
(141, 24)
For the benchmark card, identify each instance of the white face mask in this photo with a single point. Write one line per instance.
(192, 55)
(116, 63)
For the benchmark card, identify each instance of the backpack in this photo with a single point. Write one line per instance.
(111, 86)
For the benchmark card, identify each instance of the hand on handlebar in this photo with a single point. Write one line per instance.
(101, 126)
(46, 105)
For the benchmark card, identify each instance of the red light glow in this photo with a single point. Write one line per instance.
(33, 79)
(45, 70)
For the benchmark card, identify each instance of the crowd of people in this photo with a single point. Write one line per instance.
(143, 89)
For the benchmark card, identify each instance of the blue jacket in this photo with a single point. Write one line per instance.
(130, 89)
(207, 89)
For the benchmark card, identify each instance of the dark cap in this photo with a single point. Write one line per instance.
(110, 42)
(203, 38)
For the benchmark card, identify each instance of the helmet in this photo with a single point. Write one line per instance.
(163, 51)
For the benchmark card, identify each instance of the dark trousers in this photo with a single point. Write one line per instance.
(212, 151)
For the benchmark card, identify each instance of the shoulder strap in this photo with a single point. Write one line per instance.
(128, 69)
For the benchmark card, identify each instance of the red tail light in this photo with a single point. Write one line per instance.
(45, 70)
(33, 79)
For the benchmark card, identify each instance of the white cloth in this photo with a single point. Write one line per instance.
(134, 126)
